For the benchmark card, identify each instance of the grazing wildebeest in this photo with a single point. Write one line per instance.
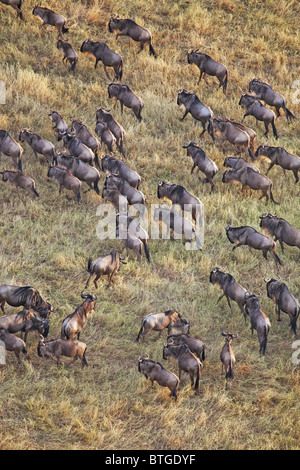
(133, 195)
(65, 179)
(258, 320)
(11, 148)
(114, 196)
(179, 195)
(101, 51)
(195, 345)
(231, 133)
(208, 66)
(24, 322)
(238, 163)
(51, 18)
(27, 297)
(16, 5)
(254, 107)
(157, 373)
(117, 167)
(105, 135)
(187, 361)
(59, 125)
(264, 92)
(55, 348)
(19, 180)
(284, 301)
(115, 128)
(85, 136)
(227, 356)
(251, 178)
(38, 144)
(127, 27)
(70, 55)
(78, 149)
(159, 321)
(107, 265)
(281, 230)
(15, 344)
(73, 324)
(202, 162)
(81, 170)
(127, 223)
(246, 235)
(193, 105)
(279, 156)
(126, 97)
(232, 290)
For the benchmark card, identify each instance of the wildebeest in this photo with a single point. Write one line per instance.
(38, 144)
(284, 301)
(115, 128)
(157, 373)
(246, 235)
(59, 125)
(195, 345)
(179, 195)
(16, 5)
(101, 51)
(105, 135)
(208, 66)
(254, 107)
(113, 195)
(127, 223)
(27, 297)
(70, 55)
(19, 180)
(264, 92)
(252, 134)
(78, 149)
(65, 179)
(252, 179)
(81, 170)
(11, 148)
(281, 230)
(131, 242)
(232, 133)
(238, 164)
(73, 324)
(85, 136)
(227, 356)
(202, 162)
(15, 344)
(51, 18)
(232, 290)
(128, 27)
(107, 265)
(159, 321)
(117, 167)
(133, 195)
(279, 156)
(24, 322)
(55, 348)
(258, 320)
(126, 97)
(193, 105)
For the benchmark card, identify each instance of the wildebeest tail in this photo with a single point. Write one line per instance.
(272, 198)
(263, 345)
(276, 257)
(274, 129)
(120, 70)
(293, 323)
(89, 267)
(73, 65)
(152, 51)
(289, 116)
(251, 154)
(147, 253)
(197, 383)
(229, 373)
(84, 361)
(20, 164)
(225, 81)
(96, 187)
(97, 158)
(203, 355)
(36, 193)
(64, 29)
(140, 332)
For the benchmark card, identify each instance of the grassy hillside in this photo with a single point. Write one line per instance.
(46, 242)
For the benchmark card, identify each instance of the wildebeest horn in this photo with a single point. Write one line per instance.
(224, 333)
(171, 341)
(266, 280)
(84, 296)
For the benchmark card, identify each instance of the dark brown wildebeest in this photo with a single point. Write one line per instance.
(51, 18)
(179, 195)
(78, 149)
(127, 223)
(246, 235)
(238, 164)
(254, 107)
(115, 128)
(227, 356)
(16, 5)
(105, 135)
(198, 110)
(115, 166)
(107, 265)
(208, 66)
(27, 297)
(70, 55)
(114, 196)
(19, 180)
(55, 348)
(279, 156)
(284, 301)
(101, 51)
(159, 321)
(258, 320)
(126, 97)
(24, 322)
(281, 230)
(11, 148)
(134, 196)
(232, 290)
(73, 324)
(264, 92)
(65, 179)
(15, 344)
(38, 144)
(157, 373)
(127, 27)
(251, 178)
(195, 345)
(85, 136)
(84, 172)
(59, 125)
(232, 133)
(202, 162)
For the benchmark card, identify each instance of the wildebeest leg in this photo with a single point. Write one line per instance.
(88, 281)
(267, 128)
(281, 245)
(278, 110)
(97, 279)
(271, 166)
(228, 301)
(221, 297)
(264, 194)
(142, 44)
(296, 176)
(200, 77)
(2, 305)
(204, 128)
(194, 166)
(105, 70)
(237, 245)
(184, 116)
(192, 378)
(111, 277)
(277, 309)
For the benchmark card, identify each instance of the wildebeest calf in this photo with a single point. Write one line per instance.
(19, 180)
(157, 373)
(70, 55)
(55, 348)
(13, 343)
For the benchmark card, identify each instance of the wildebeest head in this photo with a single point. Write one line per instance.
(182, 96)
(162, 189)
(113, 23)
(229, 336)
(145, 365)
(214, 277)
(266, 219)
(42, 349)
(251, 302)
(114, 90)
(260, 150)
(24, 132)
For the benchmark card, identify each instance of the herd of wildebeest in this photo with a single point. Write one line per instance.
(81, 162)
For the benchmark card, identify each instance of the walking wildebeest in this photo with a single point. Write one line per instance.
(246, 235)
(24, 322)
(114, 196)
(251, 178)
(252, 134)
(60, 126)
(15, 344)
(131, 242)
(65, 179)
(281, 230)
(198, 110)
(279, 156)
(208, 66)
(84, 172)
(115, 128)
(9, 147)
(55, 348)
(258, 320)
(232, 133)
(179, 195)
(264, 92)
(78, 149)
(232, 290)
(134, 196)
(126, 97)
(107, 265)
(101, 51)
(227, 356)
(115, 166)
(70, 55)
(238, 164)
(284, 301)
(202, 162)
(85, 136)
(157, 373)
(159, 321)
(106, 136)
(19, 180)
(27, 297)
(51, 18)
(73, 324)
(195, 345)
(127, 223)
(38, 144)
(254, 107)
(128, 27)
(16, 5)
